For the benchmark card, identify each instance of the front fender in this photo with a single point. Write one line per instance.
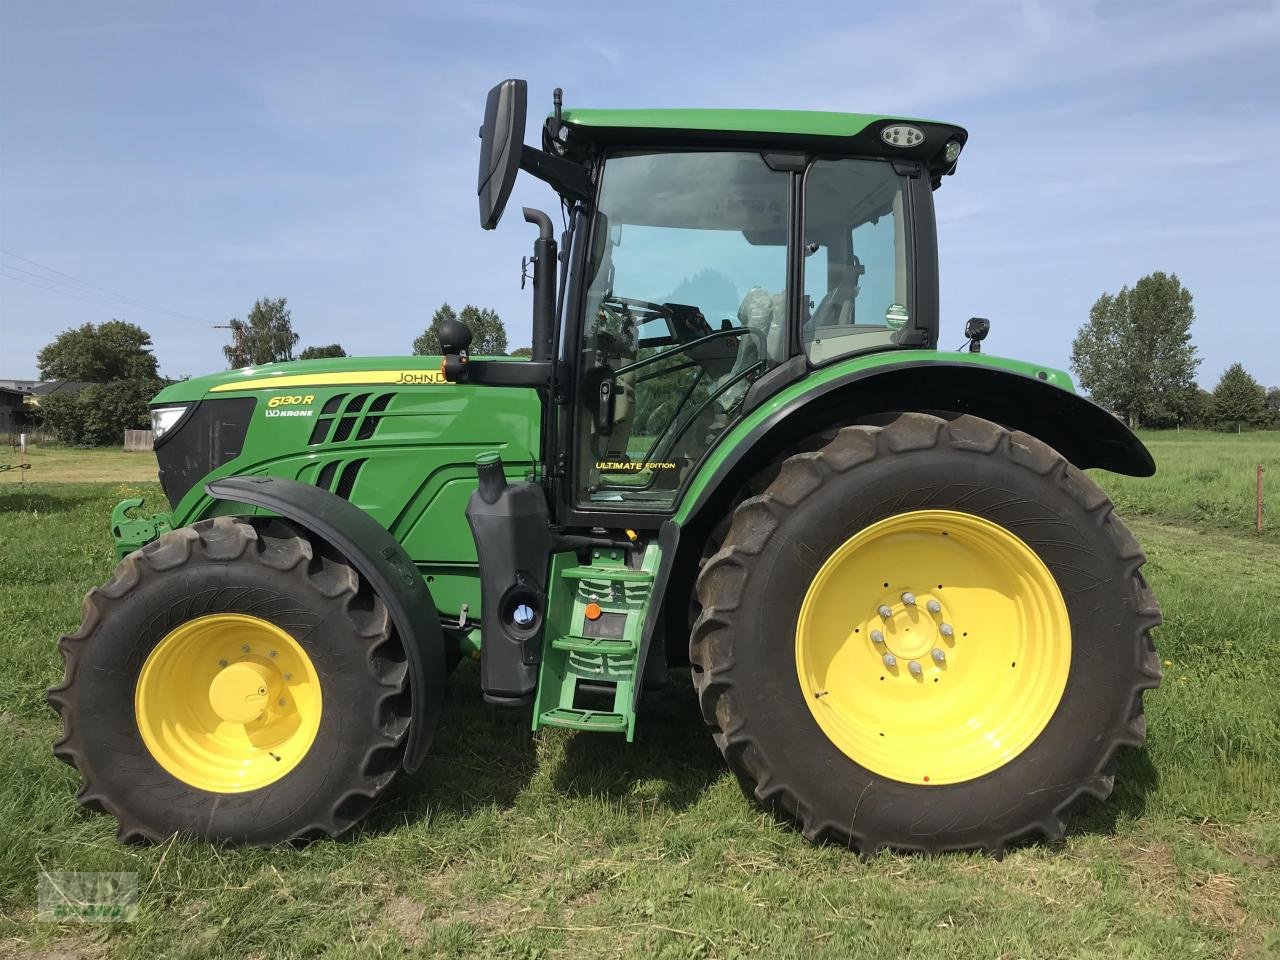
(383, 562)
(1084, 433)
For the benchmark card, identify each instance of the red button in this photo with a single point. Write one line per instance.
(593, 611)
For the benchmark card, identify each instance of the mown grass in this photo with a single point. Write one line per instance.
(58, 464)
(509, 844)
(1206, 479)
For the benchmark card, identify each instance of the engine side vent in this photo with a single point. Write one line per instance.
(321, 430)
(347, 482)
(325, 478)
(349, 417)
(370, 422)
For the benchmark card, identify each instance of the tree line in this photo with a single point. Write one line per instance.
(116, 361)
(1135, 357)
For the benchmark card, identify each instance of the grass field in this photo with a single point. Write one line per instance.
(58, 464)
(509, 844)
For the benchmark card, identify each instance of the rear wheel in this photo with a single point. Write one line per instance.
(234, 681)
(930, 636)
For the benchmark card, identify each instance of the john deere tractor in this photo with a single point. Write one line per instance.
(912, 620)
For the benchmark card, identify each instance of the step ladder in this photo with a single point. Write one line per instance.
(590, 655)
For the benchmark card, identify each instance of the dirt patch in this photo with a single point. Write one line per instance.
(1237, 847)
(405, 916)
(66, 949)
(1210, 896)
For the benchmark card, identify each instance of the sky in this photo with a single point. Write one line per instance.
(171, 162)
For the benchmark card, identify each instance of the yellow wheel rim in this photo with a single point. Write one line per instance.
(228, 703)
(933, 647)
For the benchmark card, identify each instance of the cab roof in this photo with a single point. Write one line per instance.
(818, 131)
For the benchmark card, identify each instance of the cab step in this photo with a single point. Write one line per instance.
(596, 721)
(593, 645)
(595, 620)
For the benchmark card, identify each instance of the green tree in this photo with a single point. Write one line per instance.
(1135, 355)
(488, 334)
(321, 353)
(115, 350)
(526, 352)
(1273, 404)
(1239, 399)
(265, 337)
(99, 414)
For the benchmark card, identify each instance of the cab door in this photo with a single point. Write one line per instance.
(685, 303)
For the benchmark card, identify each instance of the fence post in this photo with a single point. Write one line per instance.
(1259, 498)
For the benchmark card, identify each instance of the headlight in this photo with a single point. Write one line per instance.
(162, 418)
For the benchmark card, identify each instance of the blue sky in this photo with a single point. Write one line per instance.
(195, 156)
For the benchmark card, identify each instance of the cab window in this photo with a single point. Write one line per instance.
(857, 270)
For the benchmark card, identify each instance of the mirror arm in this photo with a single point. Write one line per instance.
(567, 178)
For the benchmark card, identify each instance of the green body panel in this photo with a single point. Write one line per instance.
(418, 465)
(922, 358)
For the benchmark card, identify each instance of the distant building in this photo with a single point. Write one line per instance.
(24, 385)
(13, 417)
(48, 388)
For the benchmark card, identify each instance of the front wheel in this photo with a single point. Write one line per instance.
(234, 681)
(929, 636)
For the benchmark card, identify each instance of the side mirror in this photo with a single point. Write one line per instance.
(976, 330)
(501, 143)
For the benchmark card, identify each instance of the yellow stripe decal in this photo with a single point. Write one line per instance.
(397, 377)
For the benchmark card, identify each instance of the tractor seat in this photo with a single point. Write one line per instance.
(765, 314)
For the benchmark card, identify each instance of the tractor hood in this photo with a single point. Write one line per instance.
(335, 371)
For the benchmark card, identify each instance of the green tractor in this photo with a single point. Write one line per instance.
(912, 621)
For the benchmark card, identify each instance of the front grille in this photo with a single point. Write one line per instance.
(210, 436)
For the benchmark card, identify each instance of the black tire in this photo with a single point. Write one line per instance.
(743, 652)
(268, 569)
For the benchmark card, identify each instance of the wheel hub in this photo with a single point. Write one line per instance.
(241, 691)
(933, 647)
(228, 702)
(910, 631)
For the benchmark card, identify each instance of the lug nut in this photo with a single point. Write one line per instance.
(947, 631)
(890, 660)
(938, 655)
(877, 636)
(915, 668)
(244, 648)
(933, 606)
(885, 612)
(281, 701)
(909, 599)
(222, 663)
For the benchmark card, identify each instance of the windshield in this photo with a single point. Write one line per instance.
(686, 307)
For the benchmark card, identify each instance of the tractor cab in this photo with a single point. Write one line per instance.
(713, 258)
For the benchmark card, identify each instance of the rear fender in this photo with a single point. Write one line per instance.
(1083, 432)
(383, 562)
(874, 390)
